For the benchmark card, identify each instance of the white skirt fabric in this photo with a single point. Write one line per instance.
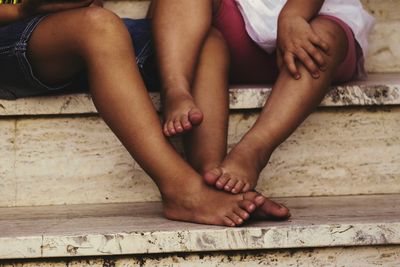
(261, 19)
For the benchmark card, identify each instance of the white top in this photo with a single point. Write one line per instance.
(261, 19)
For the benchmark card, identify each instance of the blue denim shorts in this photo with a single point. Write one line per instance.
(17, 78)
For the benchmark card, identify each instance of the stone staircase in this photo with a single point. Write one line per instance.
(70, 195)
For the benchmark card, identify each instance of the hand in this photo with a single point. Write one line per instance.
(33, 7)
(297, 41)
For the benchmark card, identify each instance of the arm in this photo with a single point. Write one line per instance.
(300, 8)
(297, 40)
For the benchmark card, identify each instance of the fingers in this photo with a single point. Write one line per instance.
(317, 41)
(316, 55)
(290, 63)
(308, 63)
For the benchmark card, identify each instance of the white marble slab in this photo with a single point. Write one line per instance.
(78, 160)
(121, 229)
(379, 89)
(370, 256)
(8, 184)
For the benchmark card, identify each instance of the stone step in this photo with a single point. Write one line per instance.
(362, 256)
(137, 230)
(73, 158)
(384, 54)
(377, 89)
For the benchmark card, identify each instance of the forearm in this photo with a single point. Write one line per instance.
(10, 13)
(305, 9)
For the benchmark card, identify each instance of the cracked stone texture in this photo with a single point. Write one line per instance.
(370, 256)
(379, 89)
(78, 160)
(122, 229)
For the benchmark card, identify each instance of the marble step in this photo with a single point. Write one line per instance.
(361, 256)
(377, 89)
(139, 231)
(384, 52)
(69, 156)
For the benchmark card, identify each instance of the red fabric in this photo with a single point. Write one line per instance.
(251, 64)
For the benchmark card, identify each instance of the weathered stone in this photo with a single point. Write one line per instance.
(79, 160)
(371, 256)
(379, 89)
(123, 229)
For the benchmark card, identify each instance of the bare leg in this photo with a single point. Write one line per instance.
(180, 28)
(206, 145)
(121, 98)
(290, 103)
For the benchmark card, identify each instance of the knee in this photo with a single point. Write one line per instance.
(100, 22)
(333, 34)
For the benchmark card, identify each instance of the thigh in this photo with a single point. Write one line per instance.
(249, 63)
(53, 49)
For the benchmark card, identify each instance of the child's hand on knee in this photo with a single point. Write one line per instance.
(33, 7)
(297, 41)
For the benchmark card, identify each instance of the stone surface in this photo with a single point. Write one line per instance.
(77, 160)
(122, 229)
(379, 89)
(371, 256)
(8, 185)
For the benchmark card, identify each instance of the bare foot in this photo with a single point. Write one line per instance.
(180, 114)
(240, 169)
(204, 205)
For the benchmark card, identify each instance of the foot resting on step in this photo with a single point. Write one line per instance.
(240, 170)
(199, 203)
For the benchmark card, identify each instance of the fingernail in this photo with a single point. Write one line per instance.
(297, 76)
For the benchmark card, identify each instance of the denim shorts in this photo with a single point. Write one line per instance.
(17, 78)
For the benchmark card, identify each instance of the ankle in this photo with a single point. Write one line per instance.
(261, 144)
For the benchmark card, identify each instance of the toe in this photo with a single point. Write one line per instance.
(246, 188)
(271, 208)
(171, 128)
(255, 197)
(241, 213)
(238, 187)
(236, 219)
(165, 129)
(221, 182)
(230, 184)
(185, 122)
(212, 176)
(195, 116)
(247, 205)
(228, 222)
(178, 126)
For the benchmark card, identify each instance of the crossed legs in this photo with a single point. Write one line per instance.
(95, 40)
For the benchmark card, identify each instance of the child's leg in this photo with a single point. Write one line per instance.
(95, 39)
(290, 103)
(180, 28)
(206, 145)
